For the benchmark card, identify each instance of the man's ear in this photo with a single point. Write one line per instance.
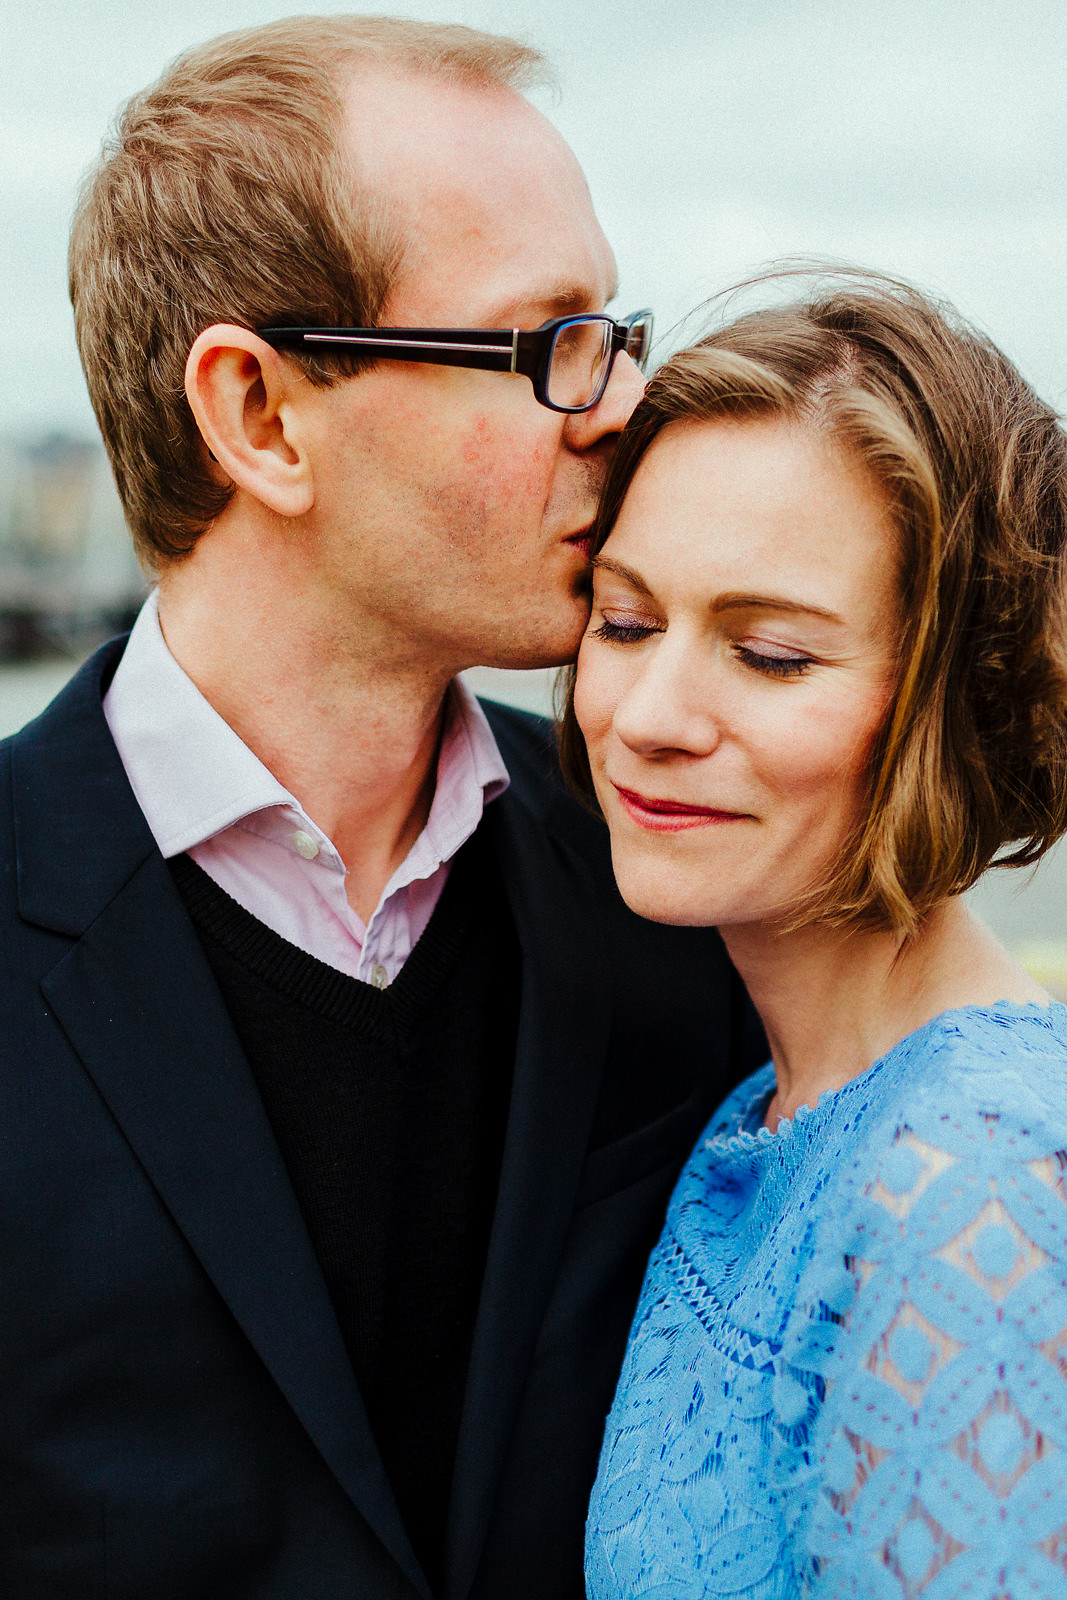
(243, 396)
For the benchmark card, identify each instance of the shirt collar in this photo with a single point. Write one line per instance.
(193, 776)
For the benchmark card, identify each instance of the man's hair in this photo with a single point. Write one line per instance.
(972, 758)
(223, 196)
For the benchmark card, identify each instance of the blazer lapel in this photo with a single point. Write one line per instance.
(563, 1029)
(137, 1000)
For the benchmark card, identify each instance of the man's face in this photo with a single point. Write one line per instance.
(451, 507)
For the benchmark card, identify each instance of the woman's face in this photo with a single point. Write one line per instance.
(737, 666)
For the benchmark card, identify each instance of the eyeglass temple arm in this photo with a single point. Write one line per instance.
(494, 349)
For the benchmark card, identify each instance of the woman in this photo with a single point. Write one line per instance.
(823, 687)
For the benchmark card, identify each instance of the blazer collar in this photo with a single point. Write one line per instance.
(136, 998)
(79, 833)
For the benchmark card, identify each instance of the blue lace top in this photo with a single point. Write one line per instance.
(848, 1370)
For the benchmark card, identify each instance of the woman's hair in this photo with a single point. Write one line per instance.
(224, 195)
(971, 763)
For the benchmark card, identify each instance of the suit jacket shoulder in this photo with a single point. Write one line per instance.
(674, 998)
(527, 743)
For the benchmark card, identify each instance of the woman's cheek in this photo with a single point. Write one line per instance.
(594, 704)
(824, 745)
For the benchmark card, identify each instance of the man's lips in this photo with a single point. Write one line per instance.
(671, 816)
(582, 540)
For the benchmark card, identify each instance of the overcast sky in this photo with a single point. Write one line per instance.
(927, 139)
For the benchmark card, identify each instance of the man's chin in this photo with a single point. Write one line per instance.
(532, 661)
(532, 641)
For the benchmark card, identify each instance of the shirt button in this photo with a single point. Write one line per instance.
(304, 845)
(378, 976)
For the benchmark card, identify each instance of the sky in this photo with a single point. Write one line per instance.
(924, 139)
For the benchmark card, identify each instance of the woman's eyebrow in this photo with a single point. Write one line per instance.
(738, 600)
(627, 574)
(733, 600)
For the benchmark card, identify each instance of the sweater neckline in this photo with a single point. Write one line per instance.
(323, 989)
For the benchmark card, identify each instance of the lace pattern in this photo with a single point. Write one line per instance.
(848, 1370)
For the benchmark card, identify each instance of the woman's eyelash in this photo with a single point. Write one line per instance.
(774, 666)
(633, 632)
(623, 632)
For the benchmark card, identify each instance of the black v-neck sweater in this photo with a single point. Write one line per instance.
(389, 1107)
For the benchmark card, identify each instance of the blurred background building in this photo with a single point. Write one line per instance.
(68, 576)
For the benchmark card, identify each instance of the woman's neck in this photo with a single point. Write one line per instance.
(833, 1001)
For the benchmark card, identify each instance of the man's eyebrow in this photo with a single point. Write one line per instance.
(560, 299)
(740, 600)
(627, 574)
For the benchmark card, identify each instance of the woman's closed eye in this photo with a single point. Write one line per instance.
(620, 628)
(773, 660)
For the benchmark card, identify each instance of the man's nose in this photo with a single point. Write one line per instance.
(612, 411)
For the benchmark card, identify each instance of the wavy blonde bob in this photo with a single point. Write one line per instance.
(970, 767)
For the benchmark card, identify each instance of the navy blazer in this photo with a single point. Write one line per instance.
(178, 1416)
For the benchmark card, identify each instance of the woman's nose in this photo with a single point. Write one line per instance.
(667, 708)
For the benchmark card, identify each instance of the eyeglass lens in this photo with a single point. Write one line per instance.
(581, 358)
(578, 369)
(639, 340)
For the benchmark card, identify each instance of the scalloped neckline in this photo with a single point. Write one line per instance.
(1024, 1010)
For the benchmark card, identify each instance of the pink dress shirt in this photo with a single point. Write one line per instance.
(203, 791)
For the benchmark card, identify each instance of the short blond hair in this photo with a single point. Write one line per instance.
(971, 764)
(223, 196)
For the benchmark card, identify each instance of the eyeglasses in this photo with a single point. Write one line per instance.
(568, 360)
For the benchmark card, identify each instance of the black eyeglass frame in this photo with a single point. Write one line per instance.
(484, 349)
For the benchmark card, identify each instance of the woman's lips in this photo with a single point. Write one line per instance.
(671, 816)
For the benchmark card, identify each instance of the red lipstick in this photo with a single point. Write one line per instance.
(671, 816)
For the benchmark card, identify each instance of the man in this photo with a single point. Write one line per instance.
(341, 1094)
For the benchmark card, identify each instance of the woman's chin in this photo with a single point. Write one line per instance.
(660, 899)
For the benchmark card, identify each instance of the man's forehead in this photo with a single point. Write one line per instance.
(410, 119)
(492, 201)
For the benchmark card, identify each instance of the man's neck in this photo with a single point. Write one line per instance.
(351, 729)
